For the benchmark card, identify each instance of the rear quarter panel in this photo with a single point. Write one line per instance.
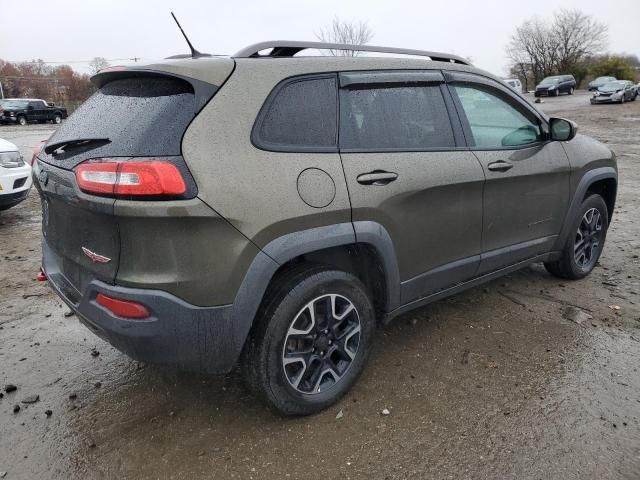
(256, 190)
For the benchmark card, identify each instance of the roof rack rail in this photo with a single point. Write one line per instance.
(287, 48)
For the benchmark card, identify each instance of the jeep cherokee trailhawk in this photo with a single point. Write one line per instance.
(269, 210)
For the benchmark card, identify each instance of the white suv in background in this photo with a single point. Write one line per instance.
(515, 84)
(15, 176)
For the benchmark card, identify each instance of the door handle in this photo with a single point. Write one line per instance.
(500, 166)
(377, 177)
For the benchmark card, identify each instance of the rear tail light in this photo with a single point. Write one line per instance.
(123, 308)
(36, 151)
(136, 177)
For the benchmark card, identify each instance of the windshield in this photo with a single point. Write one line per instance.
(612, 86)
(550, 80)
(14, 103)
(141, 116)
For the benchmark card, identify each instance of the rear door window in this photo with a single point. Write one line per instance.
(299, 115)
(141, 116)
(394, 117)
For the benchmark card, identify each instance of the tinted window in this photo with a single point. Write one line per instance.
(301, 115)
(494, 122)
(394, 117)
(140, 115)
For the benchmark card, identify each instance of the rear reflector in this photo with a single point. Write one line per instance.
(36, 151)
(143, 177)
(123, 308)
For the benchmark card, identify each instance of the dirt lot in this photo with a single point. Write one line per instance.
(491, 383)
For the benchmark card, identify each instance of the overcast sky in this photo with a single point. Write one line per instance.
(77, 30)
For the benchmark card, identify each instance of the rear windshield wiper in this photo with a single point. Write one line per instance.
(76, 142)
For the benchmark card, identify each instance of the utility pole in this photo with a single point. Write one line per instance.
(1, 91)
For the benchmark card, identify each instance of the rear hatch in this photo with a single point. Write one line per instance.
(135, 116)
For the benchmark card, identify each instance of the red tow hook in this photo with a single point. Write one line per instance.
(41, 276)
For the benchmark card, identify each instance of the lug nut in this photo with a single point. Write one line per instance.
(330, 342)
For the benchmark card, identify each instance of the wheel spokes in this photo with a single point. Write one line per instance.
(321, 343)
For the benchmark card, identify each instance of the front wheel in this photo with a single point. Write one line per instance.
(571, 90)
(22, 120)
(57, 119)
(311, 341)
(584, 246)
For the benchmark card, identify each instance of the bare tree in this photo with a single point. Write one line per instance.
(342, 31)
(542, 49)
(98, 63)
(577, 36)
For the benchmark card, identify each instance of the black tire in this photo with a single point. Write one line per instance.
(22, 120)
(568, 266)
(571, 90)
(264, 355)
(57, 119)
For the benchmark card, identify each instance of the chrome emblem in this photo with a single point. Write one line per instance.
(94, 257)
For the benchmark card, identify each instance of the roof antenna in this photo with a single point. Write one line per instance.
(194, 53)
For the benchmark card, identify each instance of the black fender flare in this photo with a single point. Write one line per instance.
(287, 247)
(586, 181)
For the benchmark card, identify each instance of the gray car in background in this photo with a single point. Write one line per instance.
(619, 91)
(270, 211)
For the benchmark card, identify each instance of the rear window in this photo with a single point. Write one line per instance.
(394, 118)
(140, 115)
(300, 115)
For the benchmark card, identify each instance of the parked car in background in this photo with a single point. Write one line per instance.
(600, 81)
(183, 248)
(15, 176)
(515, 84)
(553, 86)
(28, 110)
(619, 91)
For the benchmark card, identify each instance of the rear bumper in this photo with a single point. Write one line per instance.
(177, 334)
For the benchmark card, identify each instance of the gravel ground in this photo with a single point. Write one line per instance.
(492, 383)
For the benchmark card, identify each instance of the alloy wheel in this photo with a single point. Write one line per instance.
(588, 239)
(321, 344)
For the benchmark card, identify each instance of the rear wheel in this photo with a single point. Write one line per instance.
(571, 90)
(311, 342)
(22, 120)
(583, 248)
(57, 119)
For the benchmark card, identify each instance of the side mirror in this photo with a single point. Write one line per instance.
(50, 104)
(562, 130)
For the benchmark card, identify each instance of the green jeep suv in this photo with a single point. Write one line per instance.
(269, 210)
